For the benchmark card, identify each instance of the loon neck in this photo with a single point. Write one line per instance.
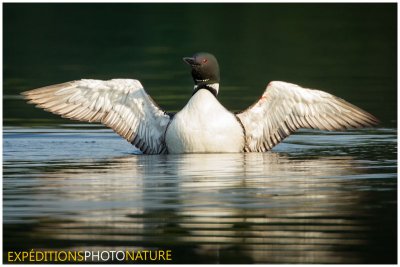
(212, 87)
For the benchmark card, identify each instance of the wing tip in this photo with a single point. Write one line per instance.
(28, 94)
(370, 120)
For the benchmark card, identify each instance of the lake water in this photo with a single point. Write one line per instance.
(318, 197)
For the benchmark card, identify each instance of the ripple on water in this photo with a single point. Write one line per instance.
(317, 198)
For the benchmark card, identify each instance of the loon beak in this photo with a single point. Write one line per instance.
(189, 60)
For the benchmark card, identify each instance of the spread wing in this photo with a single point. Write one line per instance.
(121, 104)
(285, 107)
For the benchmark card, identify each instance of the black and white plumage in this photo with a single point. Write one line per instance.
(203, 125)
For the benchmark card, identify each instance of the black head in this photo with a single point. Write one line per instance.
(205, 69)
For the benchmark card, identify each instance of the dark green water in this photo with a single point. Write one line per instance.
(319, 197)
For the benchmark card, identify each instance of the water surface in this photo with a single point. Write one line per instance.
(317, 198)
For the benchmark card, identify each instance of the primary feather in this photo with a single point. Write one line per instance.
(284, 107)
(121, 104)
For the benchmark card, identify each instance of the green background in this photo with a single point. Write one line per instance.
(345, 49)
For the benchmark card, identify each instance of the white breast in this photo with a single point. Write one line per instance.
(204, 125)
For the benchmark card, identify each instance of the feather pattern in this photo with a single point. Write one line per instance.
(121, 104)
(286, 107)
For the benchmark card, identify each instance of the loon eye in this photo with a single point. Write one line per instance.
(204, 60)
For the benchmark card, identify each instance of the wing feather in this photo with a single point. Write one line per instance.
(286, 107)
(121, 104)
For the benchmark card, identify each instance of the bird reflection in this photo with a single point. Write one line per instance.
(209, 208)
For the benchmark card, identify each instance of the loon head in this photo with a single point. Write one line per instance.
(205, 71)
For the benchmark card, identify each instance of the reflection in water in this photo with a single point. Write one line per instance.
(261, 208)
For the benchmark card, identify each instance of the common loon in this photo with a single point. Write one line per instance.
(203, 125)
